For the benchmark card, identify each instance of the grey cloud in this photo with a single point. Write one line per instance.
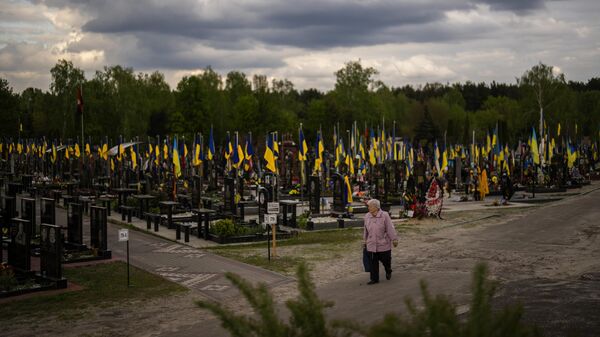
(303, 24)
(516, 6)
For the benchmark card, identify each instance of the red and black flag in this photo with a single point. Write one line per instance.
(79, 101)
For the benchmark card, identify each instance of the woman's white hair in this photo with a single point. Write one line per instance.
(374, 203)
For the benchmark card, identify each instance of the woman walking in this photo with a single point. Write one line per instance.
(379, 235)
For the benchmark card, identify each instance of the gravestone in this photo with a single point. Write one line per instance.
(314, 194)
(229, 195)
(3, 232)
(196, 190)
(47, 211)
(339, 204)
(263, 197)
(386, 182)
(9, 210)
(51, 254)
(74, 224)
(270, 183)
(28, 213)
(26, 181)
(19, 248)
(98, 236)
(14, 189)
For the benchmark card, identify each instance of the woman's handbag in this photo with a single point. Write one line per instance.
(366, 260)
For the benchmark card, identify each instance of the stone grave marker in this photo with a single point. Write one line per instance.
(19, 249)
(51, 252)
(75, 224)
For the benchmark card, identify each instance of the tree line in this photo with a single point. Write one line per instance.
(117, 101)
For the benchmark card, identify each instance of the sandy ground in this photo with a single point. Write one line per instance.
(429, 244)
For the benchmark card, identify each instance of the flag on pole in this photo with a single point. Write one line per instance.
(211, 146)
(249, 152)
(319, 148)
(176, 163)
(347, 190)
(534, 148)
(269, 155)
(302, 147)
(80, 100)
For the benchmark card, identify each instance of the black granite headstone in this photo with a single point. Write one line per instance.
(28, 213)
(339, 204)
(75, 224)
(50, 251)
(19, 249)
(228, 195)
(98, 224)
(314, 194)
(47, 211)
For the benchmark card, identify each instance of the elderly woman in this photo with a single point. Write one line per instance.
(379, 235)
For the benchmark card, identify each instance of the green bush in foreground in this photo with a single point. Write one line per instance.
(436, 318)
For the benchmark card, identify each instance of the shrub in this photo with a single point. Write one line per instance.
(7, 278)
(224, 227)
(302, 220)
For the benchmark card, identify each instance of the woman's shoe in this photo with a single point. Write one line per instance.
(372, 282)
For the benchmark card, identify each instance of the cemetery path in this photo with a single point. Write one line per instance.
(193, 268)
(549, 250)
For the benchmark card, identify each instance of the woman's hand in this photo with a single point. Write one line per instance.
(395, 243)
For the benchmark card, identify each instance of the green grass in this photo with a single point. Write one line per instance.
(105, 285)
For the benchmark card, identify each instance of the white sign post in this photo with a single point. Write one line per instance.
(124, 236)
(271, 220)
(273, 208)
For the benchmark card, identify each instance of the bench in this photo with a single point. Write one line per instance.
(152, 218)
(126, 211)
(186, 229)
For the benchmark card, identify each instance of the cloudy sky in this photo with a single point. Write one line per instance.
(409, 42)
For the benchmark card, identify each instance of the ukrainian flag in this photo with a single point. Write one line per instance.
(176, 163)
(318, 153)
(347, 191)
(303, 147)
(534, 148)
(211, 146)
(269, 154)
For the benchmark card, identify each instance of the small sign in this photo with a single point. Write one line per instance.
(123, 235)
(273, 207)
(271, 219)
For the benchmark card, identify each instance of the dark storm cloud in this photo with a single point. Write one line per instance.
(314, 24)
(516, 6)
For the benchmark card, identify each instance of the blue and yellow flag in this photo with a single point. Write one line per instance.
(269, 155)
(133, 156)
(534, 148)
(176, 163)
(197, 160)
(302, 147)
(211, 146)
(249, 152)
(347, 191)
(319, 148)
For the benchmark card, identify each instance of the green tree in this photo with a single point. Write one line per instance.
(9, 110)
(541, 84)
(65, 80)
